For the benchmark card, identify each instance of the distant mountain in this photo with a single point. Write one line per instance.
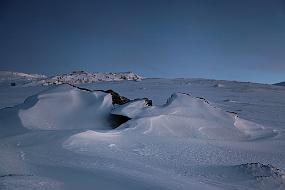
(280, 84)
(75, 77)
(15, 78)
(81, 77)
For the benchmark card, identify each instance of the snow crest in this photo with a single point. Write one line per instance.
(67, 108)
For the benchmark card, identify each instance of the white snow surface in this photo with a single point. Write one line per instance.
(67, 108)
(58, 138)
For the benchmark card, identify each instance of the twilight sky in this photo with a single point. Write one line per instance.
(221, 39)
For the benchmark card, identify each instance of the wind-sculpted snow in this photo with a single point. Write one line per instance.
(189, 117)
(181, 135)
(62, 138)
(67, 108)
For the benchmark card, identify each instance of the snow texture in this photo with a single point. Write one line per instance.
(199, 134)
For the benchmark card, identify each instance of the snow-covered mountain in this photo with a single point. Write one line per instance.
(81, 77)
(7, 77)
(75, 77)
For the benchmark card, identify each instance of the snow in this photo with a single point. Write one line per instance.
(75, 77)
(66, 108)
(59, 137)
(8, 77)
(81, 77)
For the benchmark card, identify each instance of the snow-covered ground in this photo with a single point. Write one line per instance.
(198, 134)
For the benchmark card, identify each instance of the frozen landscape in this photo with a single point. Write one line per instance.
(71, 132)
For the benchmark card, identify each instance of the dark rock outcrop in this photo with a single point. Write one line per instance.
(148, 102)
(260, 170)
(117, 98)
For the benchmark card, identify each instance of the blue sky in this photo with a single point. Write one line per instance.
(220, 39)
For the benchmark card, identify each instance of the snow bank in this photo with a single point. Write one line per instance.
(67, 108)
(189, 117)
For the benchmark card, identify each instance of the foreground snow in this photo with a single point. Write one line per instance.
(60, 138)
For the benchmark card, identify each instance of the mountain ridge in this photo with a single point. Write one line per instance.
(74, 77)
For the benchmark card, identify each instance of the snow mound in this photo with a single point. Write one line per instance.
(66, 107)
(81, 77)
(190, 117)
(253, 130)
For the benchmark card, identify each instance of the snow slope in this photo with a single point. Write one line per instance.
(57, 139)
(66, 108)
(186, 116)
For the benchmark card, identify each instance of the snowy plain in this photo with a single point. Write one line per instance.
(199, 134)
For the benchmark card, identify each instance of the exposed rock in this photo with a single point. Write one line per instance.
(117, 98)
(259, 170)
(148, 102)
(15, 175)
(201, 98)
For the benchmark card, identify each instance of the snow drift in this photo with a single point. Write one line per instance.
(67, 108)
(54, 140)
(189, 117)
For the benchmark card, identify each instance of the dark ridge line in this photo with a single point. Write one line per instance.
(116, 97)
(15, 175)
